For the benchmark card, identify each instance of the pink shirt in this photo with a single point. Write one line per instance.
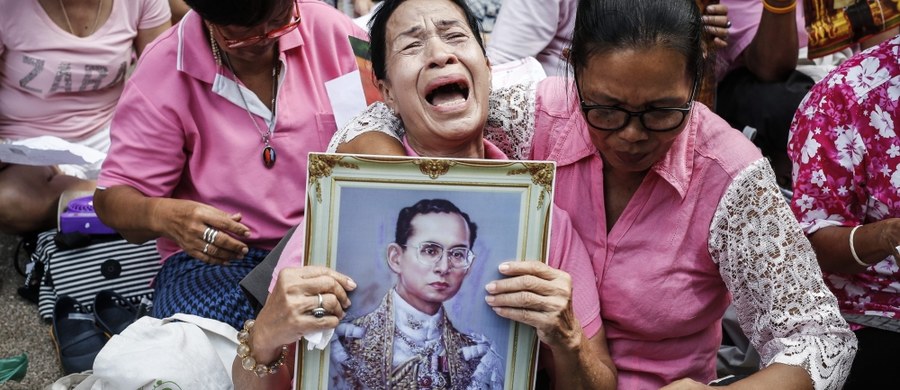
(566, 253)
(846, 156)
(745, 16)
(663, 279)
(55, 83)
(181, 129)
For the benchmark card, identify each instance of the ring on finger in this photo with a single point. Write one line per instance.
(207, 234)
(212, 238)
(205, 248)
(319, 311)
(727, 23)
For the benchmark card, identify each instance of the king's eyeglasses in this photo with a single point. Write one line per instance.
(278, 32)
(656, 119)
(430, 254)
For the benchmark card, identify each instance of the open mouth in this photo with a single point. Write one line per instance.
(448, 93)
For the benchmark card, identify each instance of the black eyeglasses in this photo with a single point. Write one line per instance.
(430, 254)
(658, 119)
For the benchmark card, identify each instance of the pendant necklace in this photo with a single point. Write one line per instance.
(268, 152)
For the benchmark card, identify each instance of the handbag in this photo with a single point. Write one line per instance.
(834, 25)
(108, 264)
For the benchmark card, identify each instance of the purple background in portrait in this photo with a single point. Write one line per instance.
(369, 217)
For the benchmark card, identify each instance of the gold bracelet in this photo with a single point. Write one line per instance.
(779, 10)
(248, 362)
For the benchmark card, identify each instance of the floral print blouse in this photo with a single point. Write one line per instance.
(846, 171)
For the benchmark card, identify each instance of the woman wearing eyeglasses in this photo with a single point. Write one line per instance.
(679, 212)
(207, 158)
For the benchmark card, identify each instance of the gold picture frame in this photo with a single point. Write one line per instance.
(351, 211)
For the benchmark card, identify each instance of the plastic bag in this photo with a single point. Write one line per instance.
(13, 368)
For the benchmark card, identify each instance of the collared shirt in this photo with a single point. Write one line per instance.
(182, 131)
(708, 219)
(846, 156)
(55, 83)
(422, 329)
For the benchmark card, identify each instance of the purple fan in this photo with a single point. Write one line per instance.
(80, 217)
(81, 205)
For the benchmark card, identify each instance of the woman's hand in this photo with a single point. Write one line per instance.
(287, 313)
(538, 295)
(716, 23)
(193, 227)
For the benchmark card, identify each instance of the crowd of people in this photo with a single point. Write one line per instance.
(666, 211)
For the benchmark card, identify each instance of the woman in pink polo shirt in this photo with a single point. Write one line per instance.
(679, 212)
(209, 143)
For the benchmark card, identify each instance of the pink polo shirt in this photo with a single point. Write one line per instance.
(181, 130)
(566, 253)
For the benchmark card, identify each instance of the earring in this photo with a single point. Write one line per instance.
(215, 46)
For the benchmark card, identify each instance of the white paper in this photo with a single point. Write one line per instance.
(48, 150)
(318, 340)
(347, 97)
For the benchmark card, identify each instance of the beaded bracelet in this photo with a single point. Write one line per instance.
(853, 249)
(779, 10)
(248, 362)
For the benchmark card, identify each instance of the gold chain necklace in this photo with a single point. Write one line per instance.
(69, 23)
(268, 153)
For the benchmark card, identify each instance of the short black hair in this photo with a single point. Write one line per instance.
(603, 26)
(378, 32)
(429, 206)
(245, 13)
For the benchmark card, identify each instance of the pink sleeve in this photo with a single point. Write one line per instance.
(292, 255)
(569, 254)
(146, 147)
(154, 13)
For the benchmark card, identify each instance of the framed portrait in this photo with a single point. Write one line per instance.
(422, 237)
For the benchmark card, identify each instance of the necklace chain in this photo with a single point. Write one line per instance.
(69, 23)
(270, 128)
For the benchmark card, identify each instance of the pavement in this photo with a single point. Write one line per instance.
(21, 329)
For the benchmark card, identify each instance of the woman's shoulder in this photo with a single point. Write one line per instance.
(555, 96)
(560, 132)
(716, 142)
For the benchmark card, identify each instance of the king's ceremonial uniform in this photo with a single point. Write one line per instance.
(398, 347)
